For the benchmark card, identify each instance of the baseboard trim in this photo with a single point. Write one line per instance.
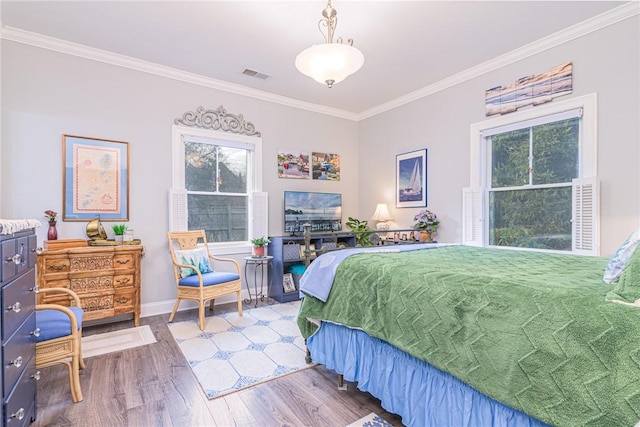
(165, 307)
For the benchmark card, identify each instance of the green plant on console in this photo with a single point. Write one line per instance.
(361, 230)
(260, 241)
(119, 229)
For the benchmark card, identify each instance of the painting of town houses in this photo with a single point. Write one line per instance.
(293, 163)
(530, 90)
(325, 166)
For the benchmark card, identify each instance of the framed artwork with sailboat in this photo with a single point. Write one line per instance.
(411, 179)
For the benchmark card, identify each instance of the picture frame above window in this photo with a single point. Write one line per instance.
(95, 179)
(411, 179)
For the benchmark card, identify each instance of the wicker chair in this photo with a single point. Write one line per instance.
(60, 337)
(195, 279)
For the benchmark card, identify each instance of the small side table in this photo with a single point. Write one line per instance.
(262, 263)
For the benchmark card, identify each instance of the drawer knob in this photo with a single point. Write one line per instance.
(17, 362)
(58, 267)
(35, 332)
(35, 289)
(19, 414)
(36, 375)
(15, 307)
(126, 261)
(16, 259)
(124, 281)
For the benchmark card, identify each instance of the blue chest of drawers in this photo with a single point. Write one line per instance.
(18, 299)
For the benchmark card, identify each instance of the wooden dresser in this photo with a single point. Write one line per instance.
(18, 328)
(107, 279)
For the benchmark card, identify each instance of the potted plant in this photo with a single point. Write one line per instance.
(118, 230)
(258, 246)
(361, 230)
(427, 222)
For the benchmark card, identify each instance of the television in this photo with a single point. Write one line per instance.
(322, 210)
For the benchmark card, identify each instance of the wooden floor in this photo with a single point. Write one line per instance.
(153, 385)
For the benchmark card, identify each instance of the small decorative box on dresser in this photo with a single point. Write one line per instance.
(18, 282)
(107, 279)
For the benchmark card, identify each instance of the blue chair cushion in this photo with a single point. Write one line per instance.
(56, 324)
(209, 279)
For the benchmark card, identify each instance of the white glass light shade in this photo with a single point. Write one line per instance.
(329, 63)
(381, 213)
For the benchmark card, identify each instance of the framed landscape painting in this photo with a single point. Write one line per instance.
(411, 179)
(95, 179)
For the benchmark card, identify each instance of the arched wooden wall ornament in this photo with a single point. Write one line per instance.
(218, 119)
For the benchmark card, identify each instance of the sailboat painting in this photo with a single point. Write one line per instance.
(411, 179)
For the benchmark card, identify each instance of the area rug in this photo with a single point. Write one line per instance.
(371, 420)
(236, 352)
(108, 342)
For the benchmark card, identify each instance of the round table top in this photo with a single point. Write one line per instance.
(258, 259)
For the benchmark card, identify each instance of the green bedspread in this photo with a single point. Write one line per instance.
(532, 330)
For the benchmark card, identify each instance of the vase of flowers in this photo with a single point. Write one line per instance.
(427, 222)
(52, 233)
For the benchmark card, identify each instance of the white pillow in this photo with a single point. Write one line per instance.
(196, 257)
(619, 260)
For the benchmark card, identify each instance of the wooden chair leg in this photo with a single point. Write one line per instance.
(76, 391)
(240, 303)
(201, 314)
(81, 360)
(175, 308)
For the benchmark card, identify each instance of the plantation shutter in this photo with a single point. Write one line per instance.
(472, 230)
(178, 209)
(585, 211)
(259, 225)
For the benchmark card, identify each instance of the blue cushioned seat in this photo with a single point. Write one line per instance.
(209, 279)
(55, 324)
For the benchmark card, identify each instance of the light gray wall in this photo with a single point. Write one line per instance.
(606, 61)
(46, 94)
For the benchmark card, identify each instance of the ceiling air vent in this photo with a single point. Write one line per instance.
(253, 73)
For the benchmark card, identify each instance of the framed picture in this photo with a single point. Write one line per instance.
(325, 166)
(312, 248)
(95, 179)
(287, 283)
(293, 163)
(411, 179)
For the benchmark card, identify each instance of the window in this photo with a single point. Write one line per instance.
(530, 180)
(216, 177)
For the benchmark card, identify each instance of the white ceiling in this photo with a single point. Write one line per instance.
(408, 45)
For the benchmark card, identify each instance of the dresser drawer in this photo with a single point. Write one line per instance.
(125, 261)
(21, 403)
(17, 352)
(124, 302)
(18, 300)
(7, 251)
(97, 307)
(56, 264)
(123, 280)
(90, 262)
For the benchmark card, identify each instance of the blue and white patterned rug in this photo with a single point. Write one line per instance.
(236, 352)
(371, 420)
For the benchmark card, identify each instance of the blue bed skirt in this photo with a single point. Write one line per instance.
(420, 393)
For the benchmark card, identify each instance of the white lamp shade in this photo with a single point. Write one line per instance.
(329, 61)
(381, 213)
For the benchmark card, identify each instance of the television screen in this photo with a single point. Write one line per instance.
(322, 210)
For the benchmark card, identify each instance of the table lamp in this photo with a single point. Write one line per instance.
(382, 216)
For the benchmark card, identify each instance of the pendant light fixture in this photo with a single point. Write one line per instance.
(329, 63)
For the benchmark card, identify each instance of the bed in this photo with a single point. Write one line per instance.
(464, 336)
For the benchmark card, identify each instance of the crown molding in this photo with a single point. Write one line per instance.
(583, 28)
(99, 55)
(590, 25)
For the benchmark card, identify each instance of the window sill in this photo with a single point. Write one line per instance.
(230, 248)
